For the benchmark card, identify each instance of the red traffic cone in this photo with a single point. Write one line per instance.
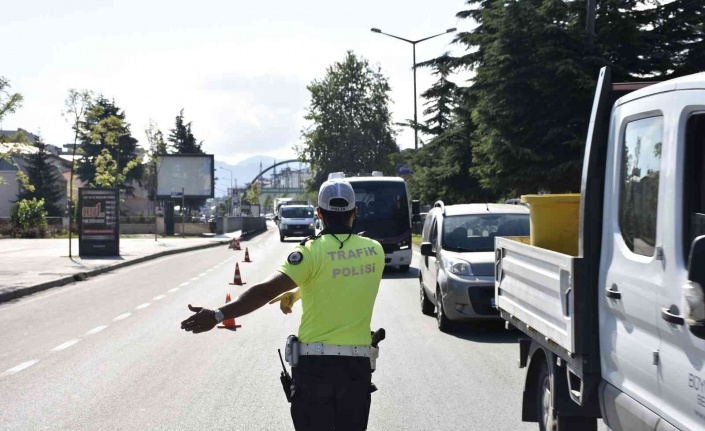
(229, 323)
(247, 255)
(237, 244)
(232, 245)
(237, 279)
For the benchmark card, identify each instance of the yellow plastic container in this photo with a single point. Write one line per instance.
(554, 221)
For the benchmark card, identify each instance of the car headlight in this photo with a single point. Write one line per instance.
(310, 225)
(458, 267)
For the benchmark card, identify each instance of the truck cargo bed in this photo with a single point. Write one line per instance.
(535, 292)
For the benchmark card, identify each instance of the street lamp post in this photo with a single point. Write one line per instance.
(230, 213)
(413, 43)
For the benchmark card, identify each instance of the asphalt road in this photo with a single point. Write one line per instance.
(108, 354)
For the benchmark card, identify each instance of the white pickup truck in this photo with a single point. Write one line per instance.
(618, 331)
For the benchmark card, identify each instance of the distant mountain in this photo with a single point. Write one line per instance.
(243, 172)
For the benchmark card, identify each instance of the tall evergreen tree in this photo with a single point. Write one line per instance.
(181, 138)
(679, 34)
(109, 155)
(532, 96)
(183, 142)
(351, 127)
(45, 180)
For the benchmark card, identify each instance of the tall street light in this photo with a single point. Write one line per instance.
(413, 43)
(231, 189)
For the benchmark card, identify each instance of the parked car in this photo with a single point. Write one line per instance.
(456, 274)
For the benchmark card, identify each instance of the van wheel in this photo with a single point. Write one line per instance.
(444, 324)
(281, 238)
(426, 304)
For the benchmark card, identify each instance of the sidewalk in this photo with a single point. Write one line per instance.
(32, 265)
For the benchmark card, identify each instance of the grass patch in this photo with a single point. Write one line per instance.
(416, 239)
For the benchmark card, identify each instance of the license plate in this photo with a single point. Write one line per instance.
(298, 232)
(493, 302)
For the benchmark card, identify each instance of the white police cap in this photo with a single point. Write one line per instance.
(338, 191)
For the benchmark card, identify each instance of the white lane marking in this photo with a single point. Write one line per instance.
(143, 306)
(209, 270)
(122, 316)
(184, 283)
(157, 298)
(173, 290)
(96, 329)
(202, 274)
(20, 367)
(194, 279)
(66, 345)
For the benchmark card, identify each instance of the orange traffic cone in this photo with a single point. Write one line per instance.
(229, 323)
(237, 280)
(237, 244)
(247, 255)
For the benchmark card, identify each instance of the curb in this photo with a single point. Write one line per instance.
(9, 296)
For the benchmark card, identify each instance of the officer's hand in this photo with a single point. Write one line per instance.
(202, 321)
(286, 301)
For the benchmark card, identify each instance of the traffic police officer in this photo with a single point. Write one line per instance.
(338, 274)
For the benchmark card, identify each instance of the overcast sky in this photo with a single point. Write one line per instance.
(239, 69)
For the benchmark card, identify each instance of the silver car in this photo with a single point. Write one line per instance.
(456, 274)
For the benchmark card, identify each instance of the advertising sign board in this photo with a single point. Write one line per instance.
(98, 222)
(192, 173)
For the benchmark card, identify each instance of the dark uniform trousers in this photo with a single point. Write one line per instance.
(331, 393)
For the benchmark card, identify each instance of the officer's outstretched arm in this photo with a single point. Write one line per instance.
(250, 300)
(287, 300)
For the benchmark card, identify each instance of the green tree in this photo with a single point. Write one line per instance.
(678, 33)
(157, 146)
(182, 139)
(109, 154)
(45, 180)
(268, 203)
(10, 103)
(253, 194)
(30, 217)
(531, 95)
(351, 128)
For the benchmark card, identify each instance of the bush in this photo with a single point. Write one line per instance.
(28, 218)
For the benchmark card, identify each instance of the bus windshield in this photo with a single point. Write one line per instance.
(382, 208)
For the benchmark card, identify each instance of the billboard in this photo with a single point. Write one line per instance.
(191, 172)
(98, 222)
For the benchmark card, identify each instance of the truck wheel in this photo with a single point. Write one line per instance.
(426, 304)
(544, 400)
(549, 420)
(444, 324)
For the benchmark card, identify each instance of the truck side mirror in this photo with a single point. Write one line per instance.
(693, 293)
(427, 249)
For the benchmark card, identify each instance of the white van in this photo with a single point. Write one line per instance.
(618, 331)
(296, 220)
